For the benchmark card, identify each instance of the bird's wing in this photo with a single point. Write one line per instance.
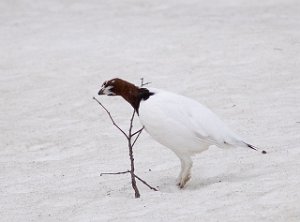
(196, 118)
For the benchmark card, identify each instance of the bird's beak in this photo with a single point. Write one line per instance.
(101, 91)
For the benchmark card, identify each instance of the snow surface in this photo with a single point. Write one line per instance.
(240, 58)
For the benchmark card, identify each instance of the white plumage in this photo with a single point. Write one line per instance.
(178, 121)
(184, 126)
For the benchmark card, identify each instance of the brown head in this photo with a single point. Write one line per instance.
(130, 92)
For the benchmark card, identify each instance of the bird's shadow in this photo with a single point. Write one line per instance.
(198, 183)
(168, 185)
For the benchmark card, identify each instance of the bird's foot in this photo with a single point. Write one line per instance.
(181, 182)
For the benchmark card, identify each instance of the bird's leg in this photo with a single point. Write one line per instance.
(185, 173)
(180, 174)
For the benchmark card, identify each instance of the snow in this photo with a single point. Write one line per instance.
(240, 58)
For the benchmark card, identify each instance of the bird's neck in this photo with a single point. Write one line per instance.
(134, 95)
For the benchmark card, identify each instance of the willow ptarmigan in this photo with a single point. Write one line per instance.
(177, 122)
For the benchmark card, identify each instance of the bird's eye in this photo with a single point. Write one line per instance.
(104, 83)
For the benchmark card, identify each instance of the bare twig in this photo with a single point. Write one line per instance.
(144, 84)
(112, 120)
(133, 181)
(131, 143)
(117, 173)
(144, 182)
(139, 133)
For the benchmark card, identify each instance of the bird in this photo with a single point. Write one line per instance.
(179, 123)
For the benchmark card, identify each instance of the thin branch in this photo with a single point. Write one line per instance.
(133, 181)
(144, 84)
(131, 123)
(144, 182)
(139, 133)
(112, 120)
(122, 172)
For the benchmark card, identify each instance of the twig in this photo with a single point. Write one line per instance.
(112, 120)
(139, 133)
(144, 182)
(133, 182)
(144, 84)
(117, 173)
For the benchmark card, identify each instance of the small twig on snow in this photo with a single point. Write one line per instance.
(122, 172)
(144, 182)
(133, 181)
(139, 133)
(144, 84)
(112, 120)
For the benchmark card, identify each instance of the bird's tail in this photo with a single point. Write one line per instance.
(255, 148)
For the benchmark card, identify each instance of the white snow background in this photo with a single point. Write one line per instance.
(240, 58)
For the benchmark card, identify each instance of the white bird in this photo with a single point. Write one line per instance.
(175, 121)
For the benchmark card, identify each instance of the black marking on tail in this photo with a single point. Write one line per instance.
(252, 147)
(255, 148)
